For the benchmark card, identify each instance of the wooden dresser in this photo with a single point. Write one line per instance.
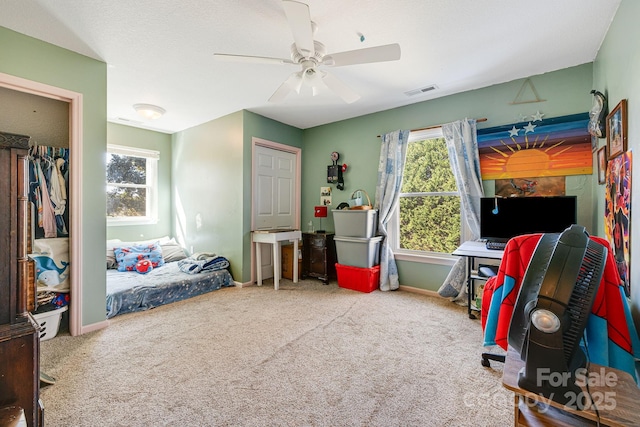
(19, 339)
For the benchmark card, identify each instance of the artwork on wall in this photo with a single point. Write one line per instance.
(617, 130)
(325, 196)
(540, 147)
(530, 187)
(617, 213)
(602, 164)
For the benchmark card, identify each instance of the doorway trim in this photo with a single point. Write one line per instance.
(75, 183)
(259, 142)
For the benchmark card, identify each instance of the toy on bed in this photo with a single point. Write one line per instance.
(144, 275)
(144, 266)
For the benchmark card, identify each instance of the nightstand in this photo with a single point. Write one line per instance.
(319, 256)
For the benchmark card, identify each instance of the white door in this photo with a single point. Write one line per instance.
(275, 192)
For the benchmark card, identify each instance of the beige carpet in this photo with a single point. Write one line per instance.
(306, 355)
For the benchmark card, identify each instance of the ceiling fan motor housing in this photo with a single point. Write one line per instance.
(299, 58)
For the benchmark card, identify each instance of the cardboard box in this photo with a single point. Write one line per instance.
(358, 279)
(287, 262)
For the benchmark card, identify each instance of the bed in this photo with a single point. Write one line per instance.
(130, 291)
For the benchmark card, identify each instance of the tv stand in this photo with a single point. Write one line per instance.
(619, 404)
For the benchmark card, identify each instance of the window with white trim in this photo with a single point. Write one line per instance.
(132, 185)
(427, 220)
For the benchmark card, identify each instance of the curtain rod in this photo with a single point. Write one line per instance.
(483, 119)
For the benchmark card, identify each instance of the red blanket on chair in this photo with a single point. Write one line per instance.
(611, 335)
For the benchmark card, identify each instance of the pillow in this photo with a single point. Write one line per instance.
(128, 256)
(172, 251)
(114, 243)
(111, 257)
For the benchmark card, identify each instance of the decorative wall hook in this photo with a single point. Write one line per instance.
(527, 84)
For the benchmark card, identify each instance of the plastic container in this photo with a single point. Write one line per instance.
(355, 223)
(49, 322)
(358, 279)
(358, 251)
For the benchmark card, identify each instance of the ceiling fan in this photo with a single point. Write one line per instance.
(311, 54)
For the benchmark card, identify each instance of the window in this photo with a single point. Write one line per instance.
(427, 219)
(132, 185)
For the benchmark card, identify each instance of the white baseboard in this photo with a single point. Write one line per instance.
(93, 327)
(419, 291)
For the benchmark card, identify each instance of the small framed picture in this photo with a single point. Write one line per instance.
(602, 164)
(617, 130)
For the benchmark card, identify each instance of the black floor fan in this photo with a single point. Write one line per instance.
(551, 312)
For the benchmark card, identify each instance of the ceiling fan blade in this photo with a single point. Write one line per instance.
(342, 90)
(293, 83)
(389, 52)
(251, 59)
(299, 19)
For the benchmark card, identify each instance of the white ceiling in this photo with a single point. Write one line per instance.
(161, 51)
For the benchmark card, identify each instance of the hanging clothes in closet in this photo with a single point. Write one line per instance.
(49, 189)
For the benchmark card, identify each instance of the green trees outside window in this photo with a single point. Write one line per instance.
(126, 186)
(429, 204)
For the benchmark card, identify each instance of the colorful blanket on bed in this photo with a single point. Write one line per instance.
(611, 334)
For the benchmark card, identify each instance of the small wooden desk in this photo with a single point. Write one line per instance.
(274, 237)
(618, 405)
(471, 250)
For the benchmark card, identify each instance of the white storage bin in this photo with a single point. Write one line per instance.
(49, 322)
(358, 251)
(355, 223)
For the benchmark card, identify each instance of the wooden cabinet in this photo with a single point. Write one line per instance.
(19, 340)
(319, 256)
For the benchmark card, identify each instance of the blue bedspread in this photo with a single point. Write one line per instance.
(129, 291)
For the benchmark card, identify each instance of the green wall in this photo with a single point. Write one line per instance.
(207, 171)
(211, 169)
(615, 73)
(565, 92)
(128, 136)
(38, 61)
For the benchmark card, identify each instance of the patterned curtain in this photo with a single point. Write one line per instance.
(392, 157)
(462, 145)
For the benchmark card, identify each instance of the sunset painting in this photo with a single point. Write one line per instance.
(537, 148)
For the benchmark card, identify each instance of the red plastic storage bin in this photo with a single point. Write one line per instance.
(358, 278)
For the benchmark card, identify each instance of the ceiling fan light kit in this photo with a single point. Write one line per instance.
(310, 54)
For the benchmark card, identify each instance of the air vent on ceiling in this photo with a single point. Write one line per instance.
(421, 90)
(122, 119)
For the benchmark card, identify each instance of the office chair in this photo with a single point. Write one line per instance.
(489, 271)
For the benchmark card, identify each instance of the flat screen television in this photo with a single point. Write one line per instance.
(502, 218)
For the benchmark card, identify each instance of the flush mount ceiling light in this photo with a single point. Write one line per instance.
(148, 111)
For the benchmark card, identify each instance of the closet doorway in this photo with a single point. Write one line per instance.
(74, 100)
(275, 194)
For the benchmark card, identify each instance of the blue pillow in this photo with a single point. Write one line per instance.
(128, 256)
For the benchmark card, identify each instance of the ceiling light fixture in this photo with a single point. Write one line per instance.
(148, 111)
